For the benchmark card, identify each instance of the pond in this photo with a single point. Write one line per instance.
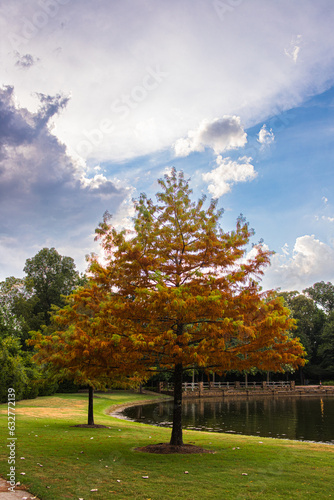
(305, 419)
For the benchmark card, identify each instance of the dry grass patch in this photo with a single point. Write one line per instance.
(44, 407)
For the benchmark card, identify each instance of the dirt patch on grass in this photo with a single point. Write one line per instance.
(315, 446)
(92, 426)
(167, 449)
(4, 486)
(47, 412)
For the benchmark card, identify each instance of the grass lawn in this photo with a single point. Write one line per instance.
(65, 462)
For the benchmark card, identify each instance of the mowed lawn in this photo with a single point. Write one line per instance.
(65, 462)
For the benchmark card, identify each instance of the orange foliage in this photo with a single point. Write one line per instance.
(181, 290)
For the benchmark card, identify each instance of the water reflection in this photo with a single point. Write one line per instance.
(308, 419)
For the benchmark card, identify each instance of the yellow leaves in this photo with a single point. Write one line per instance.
(116, 339)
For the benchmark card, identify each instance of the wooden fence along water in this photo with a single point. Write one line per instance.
(219, 389)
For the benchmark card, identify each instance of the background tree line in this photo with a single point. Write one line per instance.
(314, 311)
(26, 305)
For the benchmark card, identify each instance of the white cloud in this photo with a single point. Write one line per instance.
(266, 137)
(221, 134)
(227, 173)
(204, 66)
(311, 261)
(294, 48)
(329, 219)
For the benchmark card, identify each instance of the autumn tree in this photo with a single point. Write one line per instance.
(76, 346)
(181, 292)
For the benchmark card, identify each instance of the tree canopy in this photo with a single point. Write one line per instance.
(49, 277)
(323, 295)
(178, 291)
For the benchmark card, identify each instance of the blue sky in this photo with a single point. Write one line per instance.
(98, 100)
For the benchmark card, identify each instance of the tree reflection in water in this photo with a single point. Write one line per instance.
(308, 418)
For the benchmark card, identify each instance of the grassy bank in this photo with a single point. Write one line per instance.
(65, 462)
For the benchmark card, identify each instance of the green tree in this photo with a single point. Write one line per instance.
(326, 348)
(310, 322)
(13, 370)
(10, 290)
(50, 277)
(323, 294)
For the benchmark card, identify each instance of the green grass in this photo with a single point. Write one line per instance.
(73, 463)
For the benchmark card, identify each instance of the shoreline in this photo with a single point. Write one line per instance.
(115, 410)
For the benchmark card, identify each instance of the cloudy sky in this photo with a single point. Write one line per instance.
(99, 98)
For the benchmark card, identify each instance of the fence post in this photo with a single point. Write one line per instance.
(200, 389)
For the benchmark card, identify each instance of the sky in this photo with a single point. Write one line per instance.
(99, 99)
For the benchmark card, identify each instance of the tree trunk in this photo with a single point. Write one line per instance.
(90, 406)
(301, 374)
(176, 438)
